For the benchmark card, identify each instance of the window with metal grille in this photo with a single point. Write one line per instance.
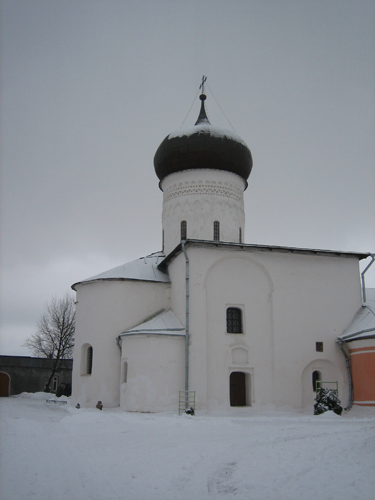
(234, 320)
(89, 360)
(240, 235)
(183, 230)
(216, 231)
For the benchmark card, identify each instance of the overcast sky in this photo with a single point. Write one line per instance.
(90, 88)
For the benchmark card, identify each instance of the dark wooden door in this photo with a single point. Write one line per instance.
(4, 385)
(237, 389)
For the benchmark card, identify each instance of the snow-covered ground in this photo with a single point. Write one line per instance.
(57, 452)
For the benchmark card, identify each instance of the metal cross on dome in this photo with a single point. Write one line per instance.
(201, 86)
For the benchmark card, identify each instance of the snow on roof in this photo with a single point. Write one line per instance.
(262, 248)
(206, 128)
(143, 269)
(363, 324)
(164, 323)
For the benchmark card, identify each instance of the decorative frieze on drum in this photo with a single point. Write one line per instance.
(210, 188)
(205, 208)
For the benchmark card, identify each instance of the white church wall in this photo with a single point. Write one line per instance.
(197, 317)
(105, 309)
(155, 372)
(210, 346)
(197, 320)
(237, 281)
(289, 302)
(201, 197)
(177, 275)
(314, 300)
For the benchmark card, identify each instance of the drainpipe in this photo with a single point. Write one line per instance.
(363, 277)
(186, 326)
(347, 359)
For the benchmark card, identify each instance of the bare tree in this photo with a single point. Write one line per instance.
(54, 337)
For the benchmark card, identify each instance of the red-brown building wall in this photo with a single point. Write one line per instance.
(363, 374)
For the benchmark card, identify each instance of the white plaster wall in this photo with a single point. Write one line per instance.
(315, 299)
(155, 372)
(201, 197)
(237, 281)
(177, 269)
(105, 309)
(197, 337)
(220, 279)
(290, 302)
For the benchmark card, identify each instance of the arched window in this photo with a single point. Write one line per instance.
(89, 361)
(216, 230)
(316, 377)
(240, 235)
(125, 372)
(86, 359)
(183, 230)
(234, 320)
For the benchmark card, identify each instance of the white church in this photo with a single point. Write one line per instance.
(229, 324)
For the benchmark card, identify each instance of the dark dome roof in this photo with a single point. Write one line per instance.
(200, 147)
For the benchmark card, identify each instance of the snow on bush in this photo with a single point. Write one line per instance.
(327, 400)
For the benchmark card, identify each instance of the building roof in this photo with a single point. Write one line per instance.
(259, 248)
(363, 324)
(164, 323)
(203, 147)
(153, 267)
(143, 269)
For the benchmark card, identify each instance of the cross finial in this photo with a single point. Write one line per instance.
(202, 118)
(201, 86)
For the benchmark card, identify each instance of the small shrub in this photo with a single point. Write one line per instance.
(327, 400)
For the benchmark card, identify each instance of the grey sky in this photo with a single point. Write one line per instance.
(89, 89)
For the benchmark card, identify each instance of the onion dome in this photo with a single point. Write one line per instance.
(203, 147)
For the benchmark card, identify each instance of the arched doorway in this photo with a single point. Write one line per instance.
(4, 384)
(316, 377)
(318, 370)
(237, 389)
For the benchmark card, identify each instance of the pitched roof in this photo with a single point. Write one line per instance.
(164, 323)
(363, 323)
(143, 269)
